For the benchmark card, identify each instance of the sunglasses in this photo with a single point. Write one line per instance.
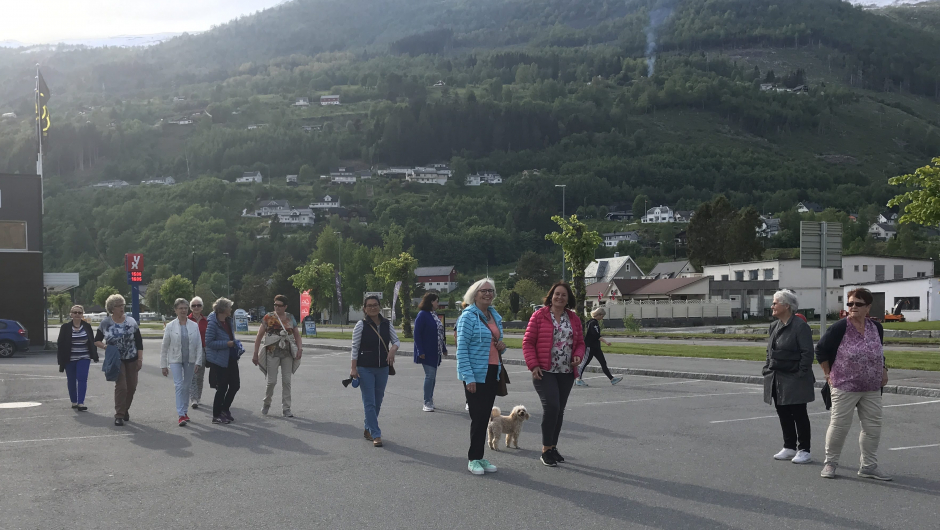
(196, 305)
(280, 305)
(856, 304)
(76, 313)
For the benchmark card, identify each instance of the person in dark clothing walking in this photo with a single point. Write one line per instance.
(592, 343)
(222, 353)
(76, 350)
(788, 377)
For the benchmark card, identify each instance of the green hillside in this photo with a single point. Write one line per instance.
(565, 87)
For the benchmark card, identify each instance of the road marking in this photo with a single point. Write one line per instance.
(28, 378)
(63, 439)
(33, 375)
(33, 417)
(913, 447)
(19, 405)
(910, 404)
(827, 412)
(671, 397)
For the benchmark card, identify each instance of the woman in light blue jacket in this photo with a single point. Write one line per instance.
(479, 345)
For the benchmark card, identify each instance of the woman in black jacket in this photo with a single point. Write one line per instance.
(76, 349)
(592, 343)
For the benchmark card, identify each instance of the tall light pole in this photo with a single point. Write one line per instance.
(228, 273)
(194, 271)
(340, 234)
(562, 186)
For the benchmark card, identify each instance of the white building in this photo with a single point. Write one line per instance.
(284, 213)
(291, 180)
(487, 177)
(327, 201)
(427, 175)
(770, 226)
(111, 184)
(888, 217)
(165, 181)
(249, 177)
(806, 207)
(806, 282)
(919, 297)
(659, 214)
(882, 231)
(613, 239)
(342, 179)
(610, 269)
(329, 100)
(302, 102)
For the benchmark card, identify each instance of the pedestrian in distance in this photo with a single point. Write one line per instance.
(430, 345)
(592, 348)
(788, 376)
(280, 337)
(553, 346)
(195, 390)
(182, 354)
(75, 351)
(851, 354)
(222, 354)
(374, 344)
(120, 331)
(479, 346)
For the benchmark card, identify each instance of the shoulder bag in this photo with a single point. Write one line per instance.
(391, 366)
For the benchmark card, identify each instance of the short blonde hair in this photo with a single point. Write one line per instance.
(222, 304)
(470, 296)
(80, 308)
(113, 301)
(179, 301)
(600, 312)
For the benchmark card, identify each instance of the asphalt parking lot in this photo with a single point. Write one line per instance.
(648, 453)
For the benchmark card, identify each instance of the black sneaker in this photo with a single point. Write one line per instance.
(119, 422)
(558, 458)
(81, 408)
(548, 459)
(127, 416)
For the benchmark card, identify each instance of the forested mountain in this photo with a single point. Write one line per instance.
(671, 102)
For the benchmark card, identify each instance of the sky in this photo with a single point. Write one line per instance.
(51, 21)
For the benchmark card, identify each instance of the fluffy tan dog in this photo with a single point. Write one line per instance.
(510, 425)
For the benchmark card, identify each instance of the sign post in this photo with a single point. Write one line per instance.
(134, 266)
(821, 248)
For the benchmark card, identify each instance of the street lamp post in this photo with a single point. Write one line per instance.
(340, 272)
(194, 271)
(562, 186)
(228, 274)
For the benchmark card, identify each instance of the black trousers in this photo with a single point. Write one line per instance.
(794, 421)
(553, 390)
(596, 353)
(227, 383)
(481, 406)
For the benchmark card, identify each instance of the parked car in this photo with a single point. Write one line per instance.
(13, 338)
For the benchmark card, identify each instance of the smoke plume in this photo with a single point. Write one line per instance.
(657, 17)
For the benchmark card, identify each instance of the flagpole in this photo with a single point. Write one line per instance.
(39, 140)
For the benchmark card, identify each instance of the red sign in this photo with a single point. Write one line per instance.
(134, 263)
(305, 302)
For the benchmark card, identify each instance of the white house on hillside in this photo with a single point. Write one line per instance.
(609, 269)
(302, 102)
(329, 100)
(806, 207)
(250, 177)
(613, 239)
(291, 180)
(111, 184)
(486, 177)
(659, 214)
(165, 181)
(427, 175)
(327, 201)
(673, 269)
(284, 213)
(882, 231)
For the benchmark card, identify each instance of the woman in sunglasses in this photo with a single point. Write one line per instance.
(788, 376)
(852, 357)
(195, 389)
(76, 350)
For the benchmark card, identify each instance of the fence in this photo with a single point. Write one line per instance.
(669, 309)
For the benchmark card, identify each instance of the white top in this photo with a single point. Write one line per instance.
(171, 352)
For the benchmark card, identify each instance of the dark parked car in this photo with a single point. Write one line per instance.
(13, 338)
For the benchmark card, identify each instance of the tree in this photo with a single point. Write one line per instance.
(316, 277)
(103, 292)
(578, 243)
(531, 292)
(400, 269)
(719, 234)
(639, 206)
(177, 287)
(534, 267)
(514, 302)
(922, 203)
(253, 291)
(153, 296)
(61, 303)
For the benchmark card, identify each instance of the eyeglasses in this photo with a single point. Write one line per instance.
(280, 305)
(856, 304)
(486, 291)
(76, 313)
(372, 306)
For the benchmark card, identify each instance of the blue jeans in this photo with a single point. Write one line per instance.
(182, 379)
(430, 377)
(372, 382)
(76, 373)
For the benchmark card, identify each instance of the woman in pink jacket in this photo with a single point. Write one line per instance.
(553, 347)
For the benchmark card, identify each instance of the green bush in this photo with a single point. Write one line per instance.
(631, 324)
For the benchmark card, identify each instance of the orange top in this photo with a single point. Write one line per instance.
(494, 353)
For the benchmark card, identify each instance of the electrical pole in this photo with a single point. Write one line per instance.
(562, 186)
(194, 271)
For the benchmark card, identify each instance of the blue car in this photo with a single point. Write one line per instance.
(13, 338)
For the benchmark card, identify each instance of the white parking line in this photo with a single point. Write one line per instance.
(29, 378)
(34, 375)
(671, 397)
(63, 439)
(33, 417)
(827, 412)
(913, 447)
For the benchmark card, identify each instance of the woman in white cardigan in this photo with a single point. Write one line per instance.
(182, 353)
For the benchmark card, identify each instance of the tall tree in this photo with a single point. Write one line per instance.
(316, 277)
(177, 287)
(578, 243)
(400, 269)
(719, 234)
(922, 202)
(103, 292)
(534, 267)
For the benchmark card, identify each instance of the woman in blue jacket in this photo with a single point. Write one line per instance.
(430, 345)
(222, 353)
(479, 345)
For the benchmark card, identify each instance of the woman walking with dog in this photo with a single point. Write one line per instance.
(553, 346)
(479, 345)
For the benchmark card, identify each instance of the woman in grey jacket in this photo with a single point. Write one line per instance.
(788, 377)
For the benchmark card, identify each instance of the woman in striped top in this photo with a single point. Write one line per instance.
(76, 349)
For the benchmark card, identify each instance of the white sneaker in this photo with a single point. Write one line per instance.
(785, 454)
(802, 457)
(466, 407)
(427, 408)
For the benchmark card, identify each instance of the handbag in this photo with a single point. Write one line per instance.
(501, 389)
(826, 394)
(284, 335)
(391, 366)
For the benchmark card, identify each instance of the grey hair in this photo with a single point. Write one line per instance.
(113, 300)
(180, 301)
(222, 304)
(471, 294)
(196, 299)
(788, 297)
